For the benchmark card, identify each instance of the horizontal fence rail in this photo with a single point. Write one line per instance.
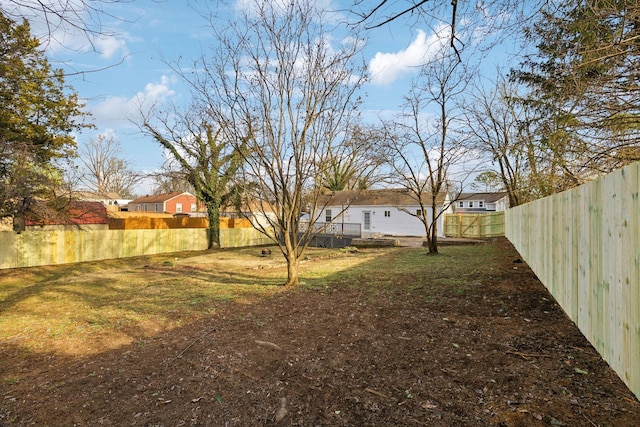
(584, 245)
(35, 248)
(479, 225)
(333, 228)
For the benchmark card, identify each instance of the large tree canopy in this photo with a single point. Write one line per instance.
(38, 114)
(583, 78)
(207, 161)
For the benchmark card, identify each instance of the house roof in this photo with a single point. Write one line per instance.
(487, 197)
(92, 195)
(159, 198)
(379, 197)
(252, 206)
(138, 214)
(79, 213)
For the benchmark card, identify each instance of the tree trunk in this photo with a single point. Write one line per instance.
(433, 230)
(213, 230)
(433, 243)
(293, 262)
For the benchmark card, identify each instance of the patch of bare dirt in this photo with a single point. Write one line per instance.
(497, 352)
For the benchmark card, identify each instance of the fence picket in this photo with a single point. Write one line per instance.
(35, 248)
(584, 245)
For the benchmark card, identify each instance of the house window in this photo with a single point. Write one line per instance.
(461, 204)
(387, 214)
(178, 207)
(419, 212)
(327, 215)
(146, 207)
(157, 207)
(481, 204)
(470, 204)
(194, 207)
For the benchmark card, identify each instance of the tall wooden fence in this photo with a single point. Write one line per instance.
(148, 222)
(584, 245)
(34, 248)
(474, 225)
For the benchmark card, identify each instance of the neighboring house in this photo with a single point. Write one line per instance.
(80, 215)
(481, 202)
(380, 212)
(112, 201)
(173, 203)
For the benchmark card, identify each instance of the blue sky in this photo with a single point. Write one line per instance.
(118, 69)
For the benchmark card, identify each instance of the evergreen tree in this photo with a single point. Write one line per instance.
(207, 161)
(38, 113)
(584, 86)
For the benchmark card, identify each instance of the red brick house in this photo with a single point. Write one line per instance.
(173, 203)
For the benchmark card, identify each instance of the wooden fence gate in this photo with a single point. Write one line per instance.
(474, 225)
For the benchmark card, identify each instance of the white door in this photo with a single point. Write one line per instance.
(366, 221)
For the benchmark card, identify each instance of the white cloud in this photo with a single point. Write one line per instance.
(159, 91)
(385, 68)
(112, 111)
(116, 111)
(109, 47)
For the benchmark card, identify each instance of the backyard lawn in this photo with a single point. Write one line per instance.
(375, 337)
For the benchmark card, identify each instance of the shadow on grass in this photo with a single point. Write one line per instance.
(122, 301)
(374, 338)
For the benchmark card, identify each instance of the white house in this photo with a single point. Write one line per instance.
(260, 213)
(481, 202)
(384, 212)
(112, 201)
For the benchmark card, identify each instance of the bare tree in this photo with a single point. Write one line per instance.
(170, 178)
(60, 16)
(279, 83)
(423, 148)
(495, 124)
(354, 164)
(104, 170)
(492, 19)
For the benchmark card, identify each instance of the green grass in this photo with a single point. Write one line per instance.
(91, 307)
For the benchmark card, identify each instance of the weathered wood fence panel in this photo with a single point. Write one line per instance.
(584, 245)
(34, 248)
(474, 225)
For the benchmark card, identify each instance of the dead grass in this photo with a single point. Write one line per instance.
(88, 308)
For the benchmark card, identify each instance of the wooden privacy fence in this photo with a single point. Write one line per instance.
(474, 225)
(146, 222)
(584, 245)
(36, 248)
